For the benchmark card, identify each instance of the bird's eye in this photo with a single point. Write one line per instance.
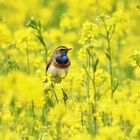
(61, 50)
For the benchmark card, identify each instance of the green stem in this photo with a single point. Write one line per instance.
(94, 105)
(138, 63)
(40, 37)
(88, 78)
(110, 66)
(110, 55)
(52, 85)
(65, 97)
(95, 98)
(58, 130)
(33, 110)
(28, 61)
(94, 88)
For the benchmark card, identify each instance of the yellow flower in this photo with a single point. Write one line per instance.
(22, 87)
(28, 109)
(89, 33)
(82, 137)
(7, 117)
(122, 21)
(9, 135)
(135, 58)
(6, 35)
(110, 133)
(57, 113)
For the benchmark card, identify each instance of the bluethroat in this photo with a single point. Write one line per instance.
(59, 64)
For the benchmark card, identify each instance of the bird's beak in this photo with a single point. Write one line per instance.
(69, 49)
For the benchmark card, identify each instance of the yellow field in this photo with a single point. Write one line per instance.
(100, 97)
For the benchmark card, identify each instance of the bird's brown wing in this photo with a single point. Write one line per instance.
(48, 64)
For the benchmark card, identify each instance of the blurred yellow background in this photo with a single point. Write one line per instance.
(28, 109)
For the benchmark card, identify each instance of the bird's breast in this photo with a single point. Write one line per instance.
(57, 68)
(57, 71)
(60, 65)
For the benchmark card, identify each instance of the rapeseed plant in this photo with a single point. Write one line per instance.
(105, 62)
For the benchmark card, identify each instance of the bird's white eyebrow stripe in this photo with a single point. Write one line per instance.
(62, 49)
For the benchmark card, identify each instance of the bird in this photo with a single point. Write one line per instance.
(59, 64)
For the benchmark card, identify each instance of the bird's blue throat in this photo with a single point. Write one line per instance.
(62, 59)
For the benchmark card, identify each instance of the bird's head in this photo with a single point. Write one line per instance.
(61, 51)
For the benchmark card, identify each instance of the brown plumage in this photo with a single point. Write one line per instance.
(58, 63)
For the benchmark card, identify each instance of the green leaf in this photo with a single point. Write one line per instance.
(107, 55)
(106, 119)
(115, 85)
(34, 23)
(138, 6)
(95, 65)
(12, 64)
(103, 16)
(65, 97)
